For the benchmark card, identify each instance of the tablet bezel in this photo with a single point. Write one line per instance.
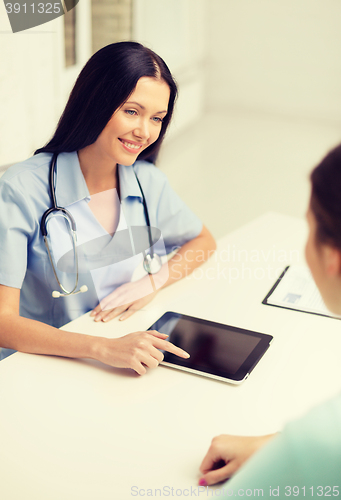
(243, 371)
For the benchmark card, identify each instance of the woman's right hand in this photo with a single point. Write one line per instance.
(136, 350)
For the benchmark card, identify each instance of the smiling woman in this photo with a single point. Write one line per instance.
(95, 176)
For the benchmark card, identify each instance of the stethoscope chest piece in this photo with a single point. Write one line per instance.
(152, 263)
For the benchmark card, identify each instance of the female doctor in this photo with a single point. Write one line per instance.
(94, 181)
(305, 459)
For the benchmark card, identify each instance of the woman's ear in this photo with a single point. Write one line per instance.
(332, 259)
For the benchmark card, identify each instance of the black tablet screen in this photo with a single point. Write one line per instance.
(214, 348)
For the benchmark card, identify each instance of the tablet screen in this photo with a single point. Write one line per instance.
(216, 350)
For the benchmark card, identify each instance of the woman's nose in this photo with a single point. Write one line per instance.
(142, 130)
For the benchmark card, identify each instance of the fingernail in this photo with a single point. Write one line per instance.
(202, 482)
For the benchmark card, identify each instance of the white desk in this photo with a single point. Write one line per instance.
(76, 429)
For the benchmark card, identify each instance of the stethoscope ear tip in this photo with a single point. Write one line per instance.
(56, 294)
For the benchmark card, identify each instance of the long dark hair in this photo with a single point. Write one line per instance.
(104, 84)
(325, 201)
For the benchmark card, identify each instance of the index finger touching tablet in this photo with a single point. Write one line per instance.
(165, 345)
(168, 346)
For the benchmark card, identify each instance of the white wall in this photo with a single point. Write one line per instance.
(34, 84)
(273, 110)
(176, 30)
(27, 90)
(275, 56)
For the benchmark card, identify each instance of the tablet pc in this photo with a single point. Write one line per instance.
(218, 351)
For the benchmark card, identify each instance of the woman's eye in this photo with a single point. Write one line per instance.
(130, 112)
(157, 119)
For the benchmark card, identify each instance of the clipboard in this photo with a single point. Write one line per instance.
(295, 290)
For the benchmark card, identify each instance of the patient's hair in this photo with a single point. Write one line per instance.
(104, 84)
(325, 201)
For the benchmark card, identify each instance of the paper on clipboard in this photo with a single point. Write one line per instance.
(295, 289)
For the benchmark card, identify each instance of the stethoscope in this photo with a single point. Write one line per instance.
(151, 262)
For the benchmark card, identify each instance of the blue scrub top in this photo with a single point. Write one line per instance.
(304, 461)
(24, 263)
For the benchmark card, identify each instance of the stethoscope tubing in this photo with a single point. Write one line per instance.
(54, 207)
(151, 260)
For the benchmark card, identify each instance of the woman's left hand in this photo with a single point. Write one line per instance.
(125, 300)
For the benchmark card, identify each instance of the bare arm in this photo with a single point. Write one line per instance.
(135, 350)
(190, 256)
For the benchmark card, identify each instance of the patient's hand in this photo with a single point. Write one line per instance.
(226, 454)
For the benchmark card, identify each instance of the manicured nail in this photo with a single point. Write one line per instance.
(202, 482)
